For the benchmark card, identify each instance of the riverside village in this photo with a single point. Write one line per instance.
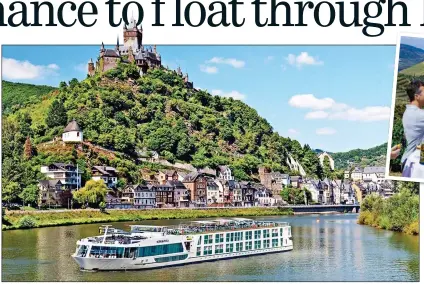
(181, 185)
(187, 187)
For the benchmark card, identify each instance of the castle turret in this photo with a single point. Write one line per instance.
(91, 69)
(130, 55)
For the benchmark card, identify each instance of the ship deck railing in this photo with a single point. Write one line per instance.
(207, 227)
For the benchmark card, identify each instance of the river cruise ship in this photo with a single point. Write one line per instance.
(159, 246)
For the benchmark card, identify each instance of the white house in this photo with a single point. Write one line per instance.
(107, 174)
(313, 187)
(144, 197)
(72, 132)
(356, 174)
(68, 174)
(375, 174)
(321, 158)
(212, 192)
(224, 172)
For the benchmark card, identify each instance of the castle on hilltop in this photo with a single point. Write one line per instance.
(132, 51)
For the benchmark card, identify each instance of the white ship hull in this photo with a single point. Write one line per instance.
(147, 247)
(98, 264)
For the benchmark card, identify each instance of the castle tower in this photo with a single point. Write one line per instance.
(91, 69)
(130, 55)
(154, 49)
(133, 36)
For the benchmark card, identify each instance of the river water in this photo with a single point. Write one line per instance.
(326, 248)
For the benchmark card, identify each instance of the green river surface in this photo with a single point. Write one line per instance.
(326, 248)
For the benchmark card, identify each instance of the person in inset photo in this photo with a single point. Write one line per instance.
(413, 125)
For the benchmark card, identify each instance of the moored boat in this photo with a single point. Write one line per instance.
(146, 247)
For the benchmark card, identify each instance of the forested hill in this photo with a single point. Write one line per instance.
(121, 111)
(409, 56)
(375, 156)
(16, 95)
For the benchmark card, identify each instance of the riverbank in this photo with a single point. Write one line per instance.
(37, 219)
(398, 213)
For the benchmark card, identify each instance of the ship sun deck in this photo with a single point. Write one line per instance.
(221, 225)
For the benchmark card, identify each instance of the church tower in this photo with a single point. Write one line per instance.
(133, 36)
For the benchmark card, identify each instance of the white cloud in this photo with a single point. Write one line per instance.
(316, 115)
(311, 102)
(229, 61)
(209, 69)
(303, 59)
(325, 131)
(328, 108)
(24, 70)
(233, 94)
(373, 113)
(293, 132)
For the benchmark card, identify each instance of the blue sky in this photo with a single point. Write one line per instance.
(414, 41)
(335, 98)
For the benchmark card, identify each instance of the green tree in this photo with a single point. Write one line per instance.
(29, 195)
(328, 173)
(11, 191)
(62, 85)
(91, 194)
(56, 114)
(296, 195)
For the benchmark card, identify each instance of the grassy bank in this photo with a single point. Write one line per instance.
(37, 219)
(397, 213)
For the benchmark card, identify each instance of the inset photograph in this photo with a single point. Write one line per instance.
(405, 158)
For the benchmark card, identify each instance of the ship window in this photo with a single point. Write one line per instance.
(219, 248)
(274, 243)
(208, 239)
(229, 248)
(219, 238)
(160, 249)
(266, 233)
(257, 244)
(171, 258)
(274, 233)
(207, 250)
(249, 235)
(266, 243)
(248, 245)
(281, 231)
(106, 252)
(82, 251)
(230, 237)
(239, 246)
(289, 231)
(200, 240)
(238, 236)
(199, 251)
(257, 234)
